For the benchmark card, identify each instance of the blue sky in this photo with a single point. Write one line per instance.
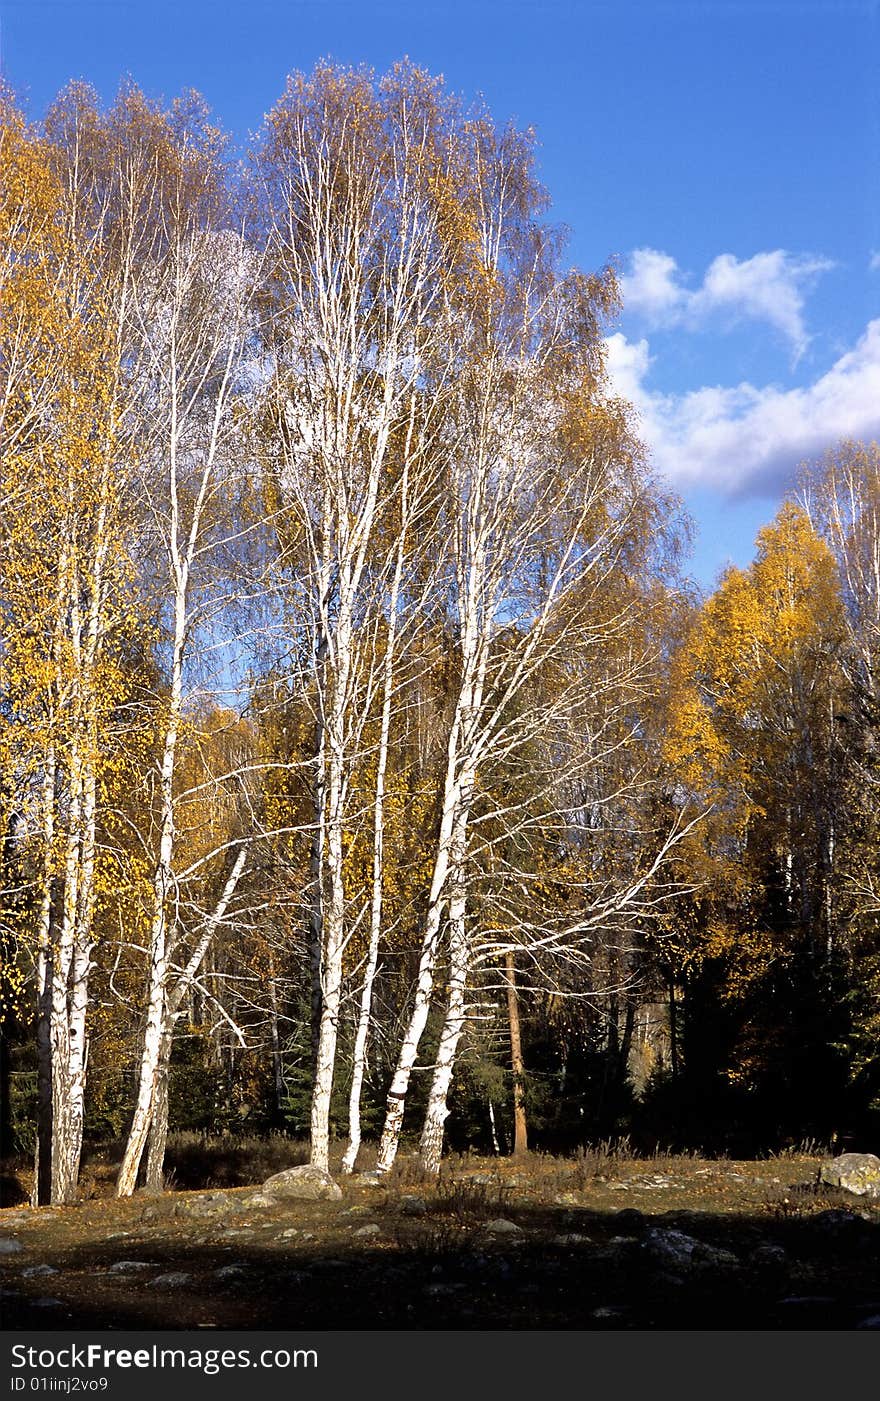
(726, 155)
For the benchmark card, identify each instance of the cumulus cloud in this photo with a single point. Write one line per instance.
(652, 287)
(745, 439)
(770, 287)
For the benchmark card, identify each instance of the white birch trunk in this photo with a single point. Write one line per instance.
(431, 1143)
(162, 886)
(42, 1193)
(176, 992)
(366, 1003)
(457, 794)
(334, 914)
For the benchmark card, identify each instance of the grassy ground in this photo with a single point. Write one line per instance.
(603, 1240)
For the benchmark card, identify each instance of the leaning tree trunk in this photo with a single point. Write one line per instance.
(154, 1179)
(396, 1102)
(457, 793)
(176, 992)
(431, 1144)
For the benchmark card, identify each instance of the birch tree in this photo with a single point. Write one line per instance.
(540, 485)
(65, 569)
(356, 188)
(193, 318)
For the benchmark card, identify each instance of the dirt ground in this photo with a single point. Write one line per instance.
(663, 1243)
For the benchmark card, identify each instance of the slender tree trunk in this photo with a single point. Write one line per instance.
(520, 1128)
(493, 1129)
(154, 1180)
(396, 1101)
(334, 914)
(277, 1063)
(42, 1194)
(366, 1004)
(457, 793)
(67, 1056)
(162, 887)
(673, 1028)
(316, 900)
(431, 1144)
(175, 993)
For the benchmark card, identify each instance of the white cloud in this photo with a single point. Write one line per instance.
(874, 262)
(769, 287)
(652, 287)
(745, 439)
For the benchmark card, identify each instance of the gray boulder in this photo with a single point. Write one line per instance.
(502, 1227)
(202, 1204)
(858, 1173)
(713, 1257)
(672, 1249)
(413, 1206)
(175, 1279)
(769, 1257)
(305, 1183)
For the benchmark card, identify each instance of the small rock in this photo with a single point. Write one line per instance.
(8, 1246)
(305, 1183)
(289, 1233)
(800, 1301)
(371, 1178)
(259, 1199)
(129, 1267)
(38, 1272)
(48, 1304)
(858, 1173)
(230, 1272)
(175, 1279)
(370, 1228)
(612, 1313)
(202, 1204)
(713, 1257)
(768, 1257)
(671, 1248)
(502, 1227)
(570, 1238)
(413, 1206)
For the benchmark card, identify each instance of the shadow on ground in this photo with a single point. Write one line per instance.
(375, 1266)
